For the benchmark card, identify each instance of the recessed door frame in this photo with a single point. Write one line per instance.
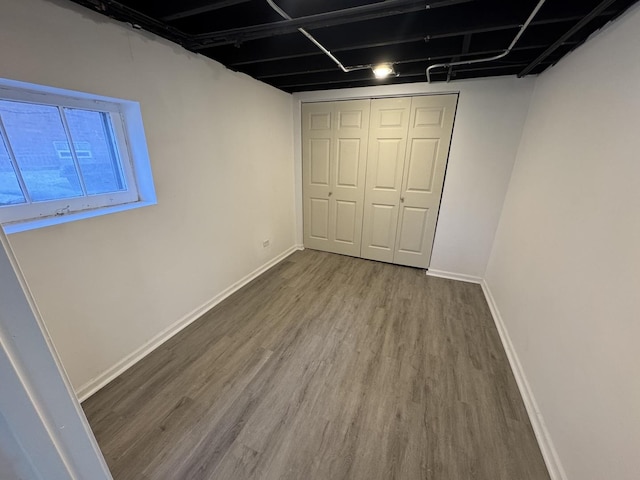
(386, 91)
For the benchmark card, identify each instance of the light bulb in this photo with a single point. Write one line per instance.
(383, 70)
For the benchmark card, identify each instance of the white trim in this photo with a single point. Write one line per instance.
(549, 453)
(378, 91)
(40, 406)
(92, 386)
(40, 92)
(462, 277)
(130, 143)
(10, 228)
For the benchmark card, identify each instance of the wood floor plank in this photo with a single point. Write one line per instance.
(325, 367)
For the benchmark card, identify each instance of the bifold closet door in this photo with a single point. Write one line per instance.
(385, 165)
(373, 172)
(428, 140)
(409, 142)
(334, 155)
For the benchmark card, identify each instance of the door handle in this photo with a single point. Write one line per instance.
(401, 199)
(330, 193)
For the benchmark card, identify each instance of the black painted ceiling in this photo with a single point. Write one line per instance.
(250, 37)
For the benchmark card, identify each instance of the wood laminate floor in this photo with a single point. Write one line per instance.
(325, 367)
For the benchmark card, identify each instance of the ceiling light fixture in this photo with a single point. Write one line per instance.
(383, 70)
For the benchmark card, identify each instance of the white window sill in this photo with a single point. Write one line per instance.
(34, 224)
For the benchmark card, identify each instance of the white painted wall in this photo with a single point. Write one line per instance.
(221, 148)
(489, 121)
(565, 268)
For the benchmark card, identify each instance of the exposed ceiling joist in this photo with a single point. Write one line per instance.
(414, 71)
(417, 76)
(136, 18)
(313, 66)
(321, 20)
(251, 37)
(571, 32)
(384, 39)
(466, 44)
(204, 8)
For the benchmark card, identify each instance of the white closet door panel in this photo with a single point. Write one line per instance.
(350, 163)
(352, 114)
(346, 221)
(334, 154)
(317, 128)
(411, 238)
(428, 140)
(319, 218)
(387, 145)
(320, 120)
(421, 162)
(382, 226)
(320, 160)
(387, 164)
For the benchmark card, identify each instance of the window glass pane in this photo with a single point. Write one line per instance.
(39, 141)
(10, 191)
(96, 150)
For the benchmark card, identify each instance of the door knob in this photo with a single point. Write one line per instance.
(330, 193)
(402, 199)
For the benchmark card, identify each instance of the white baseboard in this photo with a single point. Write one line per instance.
(454, 276)
(95, 384)
(549, 453)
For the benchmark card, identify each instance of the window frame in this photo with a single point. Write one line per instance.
(129, 139)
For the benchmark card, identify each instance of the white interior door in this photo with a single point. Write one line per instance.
(428, 140)
(317, 137)
(387, 146)
(334, 154)
(373, 172)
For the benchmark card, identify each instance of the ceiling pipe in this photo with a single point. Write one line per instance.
(284, 15)
(561, 41)
(502, 54)
(422, 38)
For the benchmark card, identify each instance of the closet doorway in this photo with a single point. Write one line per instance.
(372, 173)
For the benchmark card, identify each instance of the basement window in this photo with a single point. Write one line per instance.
(68, 155)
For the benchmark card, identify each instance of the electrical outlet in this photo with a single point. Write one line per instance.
(265, 243)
